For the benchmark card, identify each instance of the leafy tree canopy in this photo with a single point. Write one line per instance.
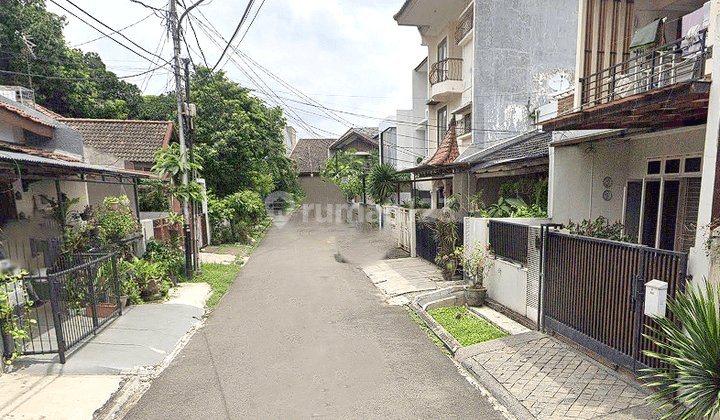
(73, 83)
(239, 138)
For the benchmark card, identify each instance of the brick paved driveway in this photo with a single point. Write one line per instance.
(546, 379)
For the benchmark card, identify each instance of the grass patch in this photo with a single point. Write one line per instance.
(219, 277)
(424, 327)
(468, 329)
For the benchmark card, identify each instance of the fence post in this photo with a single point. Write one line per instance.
(116, 280)
(93, 300)
(57, 319)
(638, 297)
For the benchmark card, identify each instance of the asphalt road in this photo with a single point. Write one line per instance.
(301, 335)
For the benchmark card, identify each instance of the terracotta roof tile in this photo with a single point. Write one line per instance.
(132, 140)
(310, 154)
(47, 112)
(448, 150)
(35, 152)
(24, 114)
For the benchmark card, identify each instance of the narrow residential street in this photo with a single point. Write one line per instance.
(301, 335)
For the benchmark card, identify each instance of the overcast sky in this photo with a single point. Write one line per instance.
(349, 55)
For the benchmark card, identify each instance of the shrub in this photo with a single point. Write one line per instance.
(232, 218)
(601, 229)
(168, 253)
(115, 219)
(154, 195)
(689, 378)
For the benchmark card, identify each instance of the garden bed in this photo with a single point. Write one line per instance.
(467, 328)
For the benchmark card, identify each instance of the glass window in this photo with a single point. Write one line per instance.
(441, 124)
(672, 166)
(653, 167)
(693, 164)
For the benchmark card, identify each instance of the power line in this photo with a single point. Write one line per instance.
(290, 114)
(257, 12)
(101, 37)
(197, 41)
(77, 78)
(237, 29)
(109, 37)
(119, 33)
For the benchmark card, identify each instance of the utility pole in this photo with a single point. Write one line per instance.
(175, 28)
(190, 114)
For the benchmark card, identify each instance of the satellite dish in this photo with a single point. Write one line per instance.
(558, 83)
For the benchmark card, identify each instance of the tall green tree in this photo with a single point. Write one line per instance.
(67, 81)
(240, 138)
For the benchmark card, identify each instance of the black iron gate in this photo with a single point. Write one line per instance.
(427, 247)
(594, 293)
(77, 297)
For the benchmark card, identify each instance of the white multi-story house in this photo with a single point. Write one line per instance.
(490, 65)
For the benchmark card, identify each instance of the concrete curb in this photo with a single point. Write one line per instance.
(137, 382)
(497, 390)
(450, 342)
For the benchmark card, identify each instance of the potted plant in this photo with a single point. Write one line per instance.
(477, 262)
(445, 233)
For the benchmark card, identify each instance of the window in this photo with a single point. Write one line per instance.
(670, 197)
(442, 50)
(441, 124)
(8, 211)
(653, 167)
(466, 124)
(672, 166)
(693, 164)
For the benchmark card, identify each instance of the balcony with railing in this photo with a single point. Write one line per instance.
(464, 26)
(446, 78)
(664, 86)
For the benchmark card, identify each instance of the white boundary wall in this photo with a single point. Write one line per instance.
(508, 282)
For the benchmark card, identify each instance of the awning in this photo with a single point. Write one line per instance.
(46, 167)
(648, 36)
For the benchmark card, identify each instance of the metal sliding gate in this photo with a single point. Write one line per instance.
(594, 293)
(58, 310)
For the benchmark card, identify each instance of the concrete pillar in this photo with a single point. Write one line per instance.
(701, 265)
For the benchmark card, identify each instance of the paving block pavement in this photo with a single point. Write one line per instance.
(544, 378)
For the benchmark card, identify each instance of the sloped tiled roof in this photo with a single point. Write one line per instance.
(135, 141)
(23, 114)
(448, 151)
(528, 146)
(310, 154)
(368, 134)
(47, 112)
(35, 151)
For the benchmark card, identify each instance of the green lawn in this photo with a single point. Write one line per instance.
(219, 277)
(467, 330)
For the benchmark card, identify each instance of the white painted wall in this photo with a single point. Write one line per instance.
(578, 171)
(507, 282)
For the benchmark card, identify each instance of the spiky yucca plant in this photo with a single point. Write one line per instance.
(689, 384)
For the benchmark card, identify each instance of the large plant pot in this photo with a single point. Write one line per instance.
(104, 310)
(475, 296)
(8, 344)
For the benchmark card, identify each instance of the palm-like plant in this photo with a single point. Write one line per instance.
(381, 182)
(689, 379)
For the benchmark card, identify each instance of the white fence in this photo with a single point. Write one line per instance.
(400, 222)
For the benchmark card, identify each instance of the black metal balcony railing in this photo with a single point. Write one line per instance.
(444, 70)
(464, 27)
(680, 61)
